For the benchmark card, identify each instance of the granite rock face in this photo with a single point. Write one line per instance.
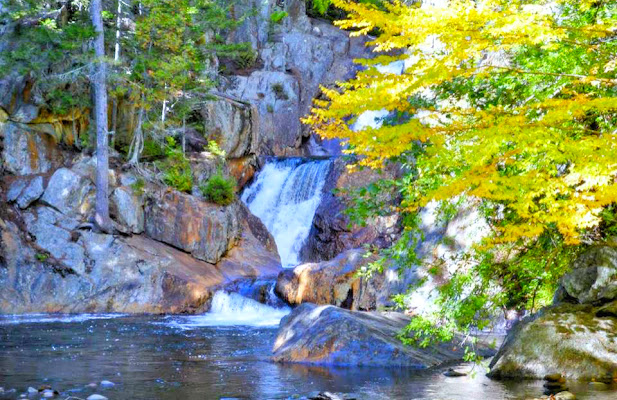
(127, 209)
(27, 151)
(57, 265)
(333, 336)
(577, 336)
(205, 230)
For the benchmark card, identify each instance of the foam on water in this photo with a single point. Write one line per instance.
(232, 309)
(53, 318)
(285, 197)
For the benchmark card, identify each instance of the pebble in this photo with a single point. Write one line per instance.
(453, 373)
(47, 393)
(92, 385)
(565, 396)
(107, 383)
(96, 397)
(32, 390)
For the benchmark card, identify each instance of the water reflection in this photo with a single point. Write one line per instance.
(148, 359)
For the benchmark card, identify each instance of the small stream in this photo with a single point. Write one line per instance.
(187, 358)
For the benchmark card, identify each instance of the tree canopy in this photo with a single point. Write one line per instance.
(510, 102)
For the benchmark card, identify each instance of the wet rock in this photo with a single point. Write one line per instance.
(107, 384)
(96, 397)
(32, 390)
(28, 152)
(127, 209)
(334, 336)
(554, 378)
(452, 373)
(48, 393)
(205, 230)
(332, 282)
(565, 396)
(69, 192)
(31, 193)
(594, 276)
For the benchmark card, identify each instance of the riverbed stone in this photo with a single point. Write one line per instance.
(330, 335)
(205, 230)
(96, 397)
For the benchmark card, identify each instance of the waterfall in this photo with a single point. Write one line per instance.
(285, 196)
(231, 309)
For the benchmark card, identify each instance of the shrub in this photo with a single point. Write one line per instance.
(279, 92)
(176, 168)
(277, 16)
(219, 190)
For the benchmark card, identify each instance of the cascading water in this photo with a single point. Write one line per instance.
(285, 196)
(230, 309)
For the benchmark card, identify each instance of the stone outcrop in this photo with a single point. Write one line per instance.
(331, 232)
(127, 209)
(333, 336)
(332, 282)
(205, 230)
(51, 261)
(27, 151)
(72, 270)
(296, 56)
(576, 337)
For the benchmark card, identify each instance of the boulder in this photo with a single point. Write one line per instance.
(594, 276)
(333, 336)
(27, 151)
(69, 193)
(576, 341)
(205, 230)
(576, 336)
(31, 193)
(230, 124)
(127, 209)
(332, 282)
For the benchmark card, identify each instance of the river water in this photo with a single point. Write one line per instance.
(184, 357)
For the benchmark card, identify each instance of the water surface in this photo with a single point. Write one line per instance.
(179, 358)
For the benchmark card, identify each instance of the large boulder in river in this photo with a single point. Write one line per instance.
(205, 230)
(334, 282)
(576, 337)
(333, 336)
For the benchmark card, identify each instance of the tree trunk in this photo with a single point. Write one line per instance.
(101, 218)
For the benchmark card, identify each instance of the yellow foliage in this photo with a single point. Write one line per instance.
(539, 156)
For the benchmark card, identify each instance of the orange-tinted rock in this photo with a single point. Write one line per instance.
(242, 169)
(331, 282)
(27, 151)
(205, 230)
